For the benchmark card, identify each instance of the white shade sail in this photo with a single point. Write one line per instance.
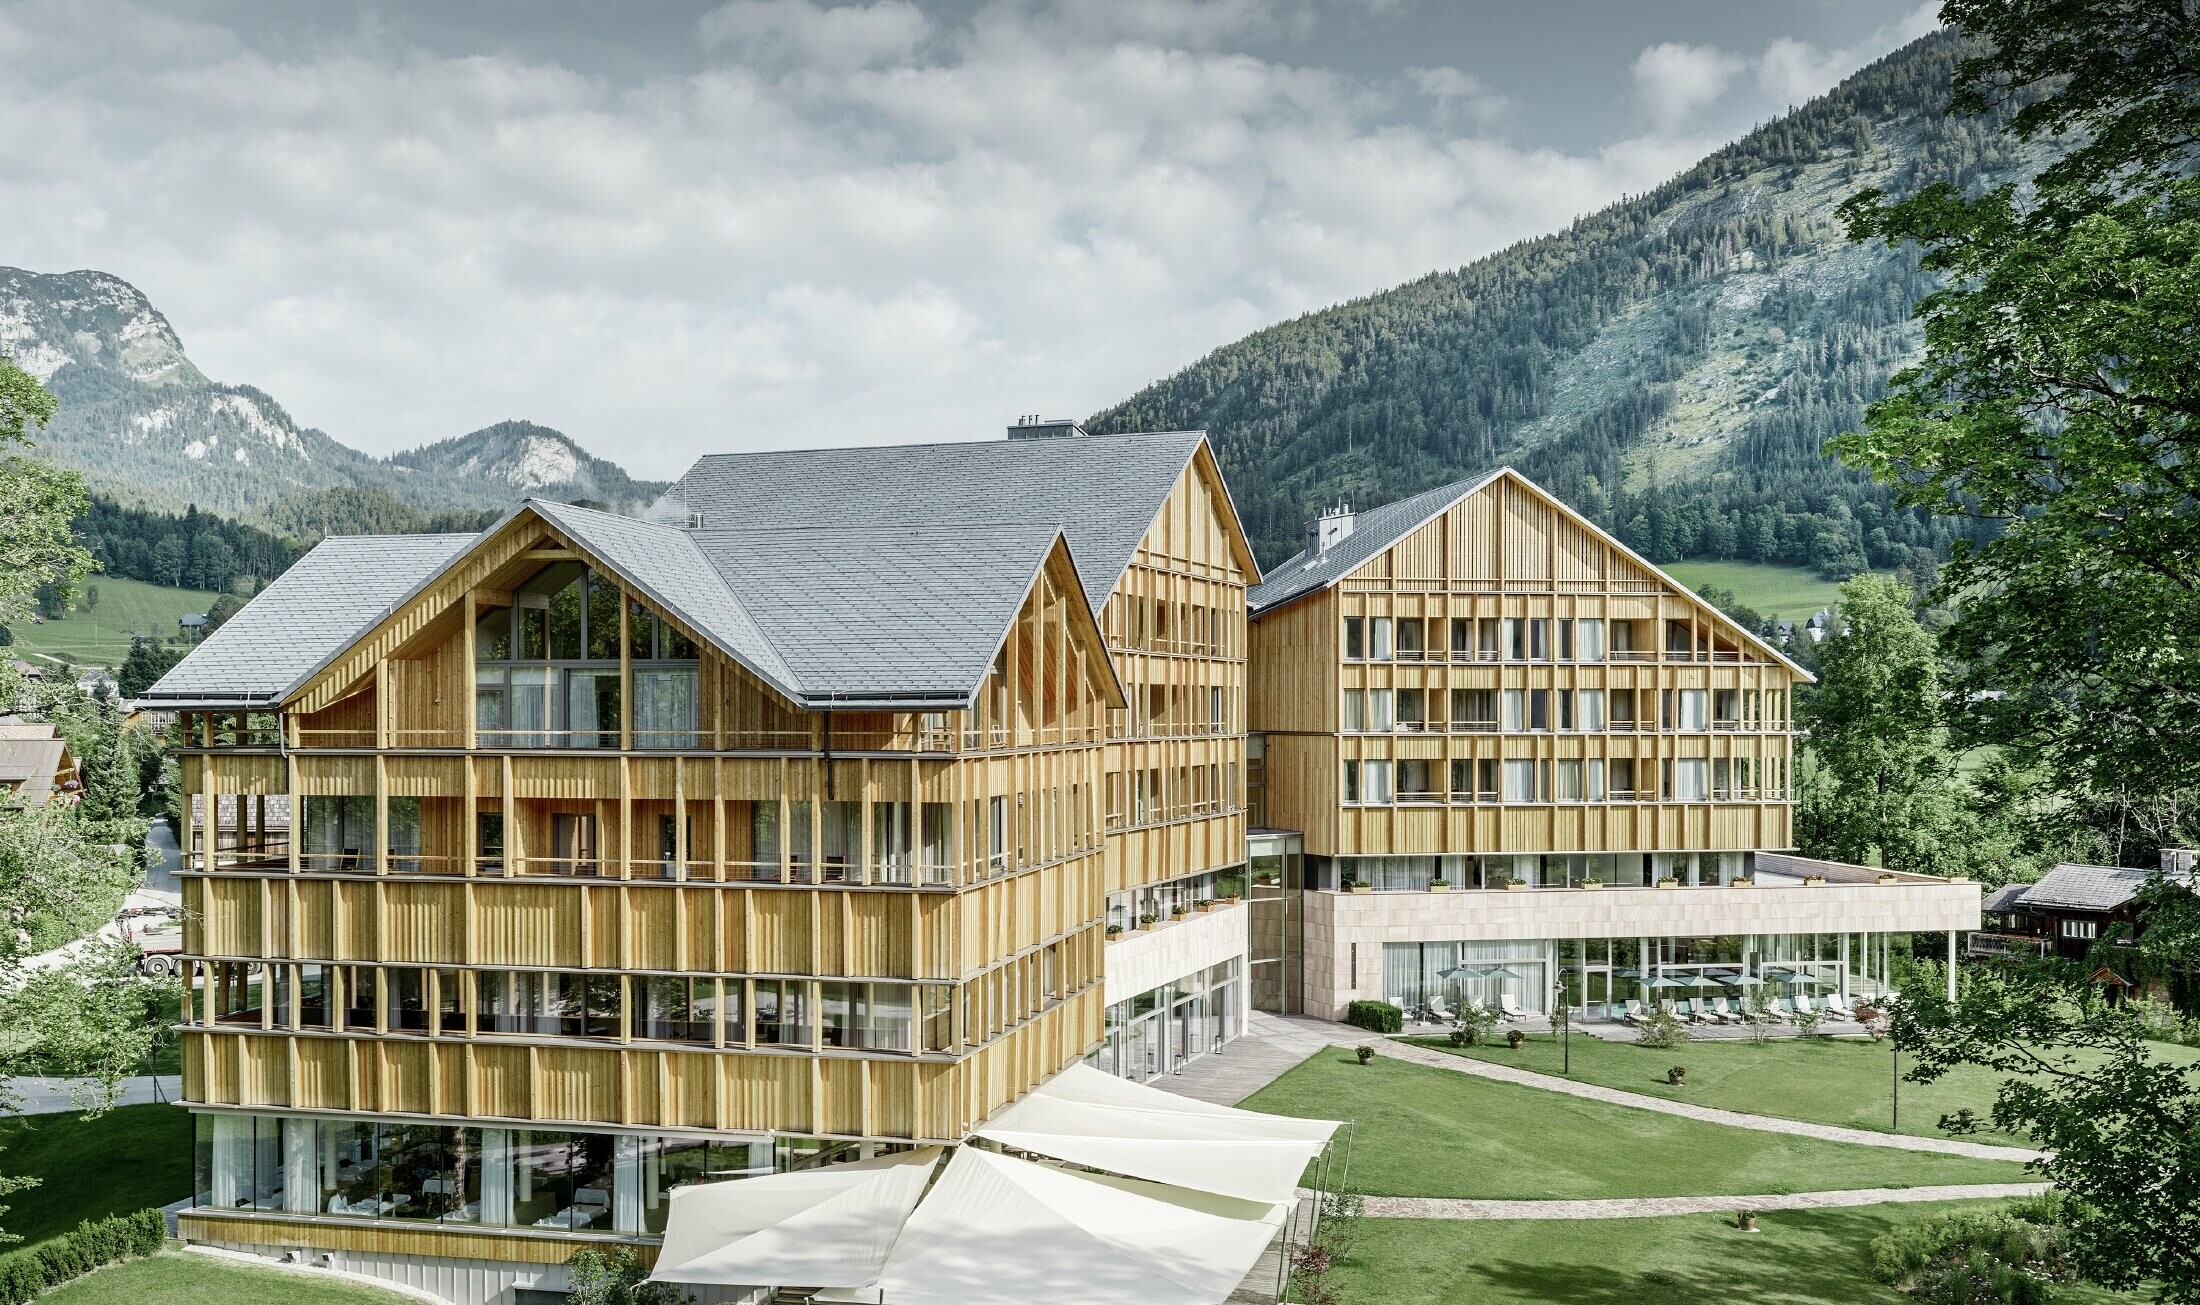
(1001, 1231)
(829, 1227)
(1091, 1118)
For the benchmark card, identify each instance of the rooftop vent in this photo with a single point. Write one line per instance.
(1035, 427)
(1328, 528)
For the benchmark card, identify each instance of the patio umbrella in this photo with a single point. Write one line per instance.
(1465, 972)
(1741, 980)
(1665, 981)
(1700, 981)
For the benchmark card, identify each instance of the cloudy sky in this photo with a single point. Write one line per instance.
(666, 228)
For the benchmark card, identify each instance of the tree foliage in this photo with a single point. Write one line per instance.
(36, 548)
(2117, 1123)
(2057, 400)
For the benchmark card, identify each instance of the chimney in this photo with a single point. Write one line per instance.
(1035, 427)
(2179, 862)
(1329, 527)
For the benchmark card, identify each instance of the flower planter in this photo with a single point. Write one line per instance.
(1439, 888)
(1516, 887)
(1363, 888)
(1742, 883)
(1669, 883)
(1814, 881)
(1590, 884)
(1885, 881)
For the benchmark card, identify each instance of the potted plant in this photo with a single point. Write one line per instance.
(1814, 881)
(1439, 885)
(1885, 879)
(1669, 882)
(1590, 883)
(1114, 929)
(1674, 1075)
(1206, 903)
(1461, 1035)
(1741, 881)
(1365, 1053)
(1514, 1037)
(1746, 1221)
(1178, 912)
(1148, 920)
(1359, 886)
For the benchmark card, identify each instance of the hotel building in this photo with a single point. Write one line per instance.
(1500, 757)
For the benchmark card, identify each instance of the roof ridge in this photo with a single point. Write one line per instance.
(989, 441)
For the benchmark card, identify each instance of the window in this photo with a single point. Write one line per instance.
(1351, 782)
(781, 1010)
(1687, 709)
(1513, 705)
(1375, 781)
(1622, 771)
(1485, 640)
(1379, 706)
(1589, 641)
(1687, 779)
(1565, 708)
(1591, 713)
(1593, 771)
(1566, 640)
(489, 841)
(1355, 711)
(572, 844)
(1379, 638)
(1539, 639)
(1569, 787)
(1412, 709)
(874, 1016)
(2082, 930)
(1539, 709)
(1410, 646)
(1414, 783)
(1216, 721)
(1515, 636)
(1474, 709)
(1462, 638)
(1519, 780)
(1462, 780)
(1355, 639)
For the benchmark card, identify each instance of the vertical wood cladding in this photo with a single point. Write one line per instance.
(1510, 553)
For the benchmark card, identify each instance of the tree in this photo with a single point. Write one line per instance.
(2118, 1126)
(218, 615)
(91, 598)
(36, 545)
(1874, 723)
(145, 663)
(2057, 398)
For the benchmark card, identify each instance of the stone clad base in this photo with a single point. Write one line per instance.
(466, 1282)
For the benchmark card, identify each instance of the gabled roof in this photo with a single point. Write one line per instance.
(1373, 532)
(2073, 886)
(1379, 529)
(904, 617)
(323, 604)
(1103, 491)
(2008, 897)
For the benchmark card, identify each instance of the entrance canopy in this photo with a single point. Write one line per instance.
(1001, 1231)
(1090, 1118)
(829, 1227)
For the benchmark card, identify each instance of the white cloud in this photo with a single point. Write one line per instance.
(1673, 80)
(844, 223)
(1793, 71)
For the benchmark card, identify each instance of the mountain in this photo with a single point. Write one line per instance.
(145, 425)
(532, 460)
(1672, 364)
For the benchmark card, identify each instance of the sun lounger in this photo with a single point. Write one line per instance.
(1509, 1010)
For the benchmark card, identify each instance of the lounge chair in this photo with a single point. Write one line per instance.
(1720, 1011)
(1783, 1009)
(1509, 1010)
(1635, 1014)
(1440, 1011)
(1686, 1009)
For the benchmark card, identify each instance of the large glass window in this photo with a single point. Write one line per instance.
(675, 1009)
(781, 1012)
(1589, 641)
(338, 835)
(1520, 780)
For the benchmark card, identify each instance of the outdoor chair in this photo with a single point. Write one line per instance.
(1509, 1010)
(1783, 1009)
(1720, 1011)
(1635, 1014)
(1686, 1009)
(1438, 1008)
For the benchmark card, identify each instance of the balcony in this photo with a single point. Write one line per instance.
(1980, 943)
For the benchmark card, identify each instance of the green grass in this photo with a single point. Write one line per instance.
(124, 1160)
(1848, 1082)
(180, 1278)
(101, 637)
(1432, 1132)
(1797, 1257)
(1781, 592)
(1844, 1081)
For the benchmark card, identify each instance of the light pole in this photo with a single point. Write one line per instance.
(1565, 1024)
(1895, 1125)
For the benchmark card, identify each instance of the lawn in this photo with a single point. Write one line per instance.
(181, 1278)
(101, 636)
(1781, 592)
(1844, 1081)
(1797, 1257)
(1431, 1132)
(127, 1159)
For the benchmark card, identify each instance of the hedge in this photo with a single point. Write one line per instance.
(1380, 1016)
(25, 1275)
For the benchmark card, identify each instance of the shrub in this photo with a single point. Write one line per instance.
(617, 1277)
(1365, 1054)
(27, 1274)
(2011, 1256)
(1477, 1021)
(1807, 1022)
(1375, 1016)
(1663, 1028)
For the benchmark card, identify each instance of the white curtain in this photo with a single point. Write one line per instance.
(496, 1176)
(301, 1170)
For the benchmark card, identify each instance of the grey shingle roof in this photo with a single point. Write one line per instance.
(857, 611)
(829, 615)
(1102, 490)
(2006, 898)
(311, 613)
(2073, 886)
(1373, 531)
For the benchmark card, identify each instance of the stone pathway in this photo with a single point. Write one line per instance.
(1650, 1207)
(1708, 1114)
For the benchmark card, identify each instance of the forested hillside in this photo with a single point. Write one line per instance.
(1673, 364)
